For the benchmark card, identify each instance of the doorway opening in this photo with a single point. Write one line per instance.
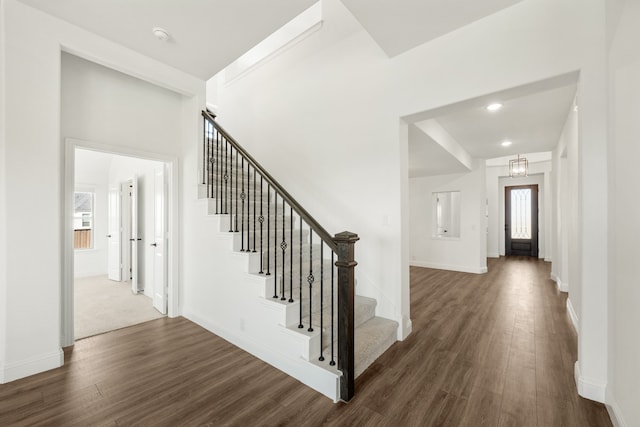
(118, 251)
(521, 220)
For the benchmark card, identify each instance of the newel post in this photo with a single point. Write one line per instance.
(346, 320)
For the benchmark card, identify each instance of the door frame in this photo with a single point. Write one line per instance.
(535, 217)
(173, 237)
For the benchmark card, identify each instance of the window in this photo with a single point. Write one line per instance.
(83, 220)
(521, 213)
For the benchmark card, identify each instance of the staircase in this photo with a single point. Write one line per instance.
(297, 277)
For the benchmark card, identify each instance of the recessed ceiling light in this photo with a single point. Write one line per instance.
(494, 107)
(506, 143)
(161, 34)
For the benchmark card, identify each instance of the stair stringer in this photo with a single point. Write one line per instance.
(252, 322)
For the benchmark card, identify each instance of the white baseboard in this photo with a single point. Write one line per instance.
(461, 268)
(562, 286)
(587, 387)
(406, 326)
(614, 411)
(572, 315)
(31, 366)
(321, 380)
(493, 255)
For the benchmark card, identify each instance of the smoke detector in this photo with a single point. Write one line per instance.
(161, 34)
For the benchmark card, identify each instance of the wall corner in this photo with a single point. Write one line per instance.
(31, 366)
(588, 388)
(405, 329)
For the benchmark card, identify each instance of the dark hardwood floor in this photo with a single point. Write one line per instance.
(486, 350)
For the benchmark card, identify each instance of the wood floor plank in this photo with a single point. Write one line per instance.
(494, 349)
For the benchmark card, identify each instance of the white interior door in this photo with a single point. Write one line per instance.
(134, 239)
(125, 227)
(160, 242)
(114, 254)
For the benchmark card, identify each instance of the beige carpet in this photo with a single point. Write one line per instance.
(102, 305)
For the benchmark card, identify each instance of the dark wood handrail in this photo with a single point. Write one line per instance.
(306, 216)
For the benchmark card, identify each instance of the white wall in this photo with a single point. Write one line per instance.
(623, 393)
(466, 253)
(103, 105)
(307, 104)
(333, 102)
(590, 187)
(32, 142)
(3, 196)
(92, 174)
(565, 206)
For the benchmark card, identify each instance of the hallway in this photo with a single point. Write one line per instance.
(496, 349)
(486, 350)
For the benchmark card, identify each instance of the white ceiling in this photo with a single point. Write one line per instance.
(399, 25)
(532, 117)
(532, 123)
(206, 36)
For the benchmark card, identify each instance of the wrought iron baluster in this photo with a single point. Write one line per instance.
(217, 170)
(255, 207)
(242, 197)
(283, 246)
(249, 202)
(231, 187)
(300, 275)
(204, 151)
(291, 254)
(275, 245)
(220, 172)
(268, 226)
(321, 358)
(310, 279)
(211, 162)
(225, 177)
(261, 220)
(207, 162)
(236, 215)
(332, 362)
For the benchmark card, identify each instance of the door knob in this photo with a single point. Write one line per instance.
(153, 244)
(109, 235)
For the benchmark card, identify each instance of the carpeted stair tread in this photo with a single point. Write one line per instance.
(373, 338)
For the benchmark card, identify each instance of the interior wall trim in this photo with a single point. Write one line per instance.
(572, 315)
(614, 411)
(461, 268)
(587, 387)
(31, 366)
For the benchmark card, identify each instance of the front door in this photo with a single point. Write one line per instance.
(521, 220)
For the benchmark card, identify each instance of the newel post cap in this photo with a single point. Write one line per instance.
(346, 237)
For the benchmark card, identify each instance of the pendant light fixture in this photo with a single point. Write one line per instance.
(518, 167)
